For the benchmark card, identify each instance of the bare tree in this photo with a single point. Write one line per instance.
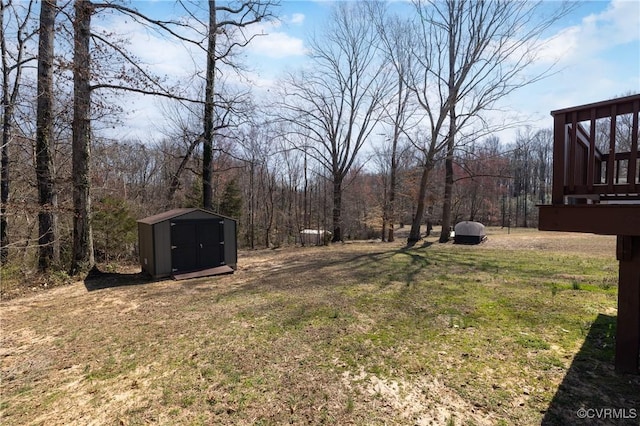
(257, 156)
(479, 168)
(135, 78)
(399, 113)
(13, 62)
(207, 146)
(82, 255)
(543, 151)
(291, 176)
(48, 197)
(236, 17)
(467, 56)
(523, 163)
(337, 103)
(230, 111)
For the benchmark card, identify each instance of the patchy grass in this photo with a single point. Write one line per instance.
(358, 333)
(16, 281)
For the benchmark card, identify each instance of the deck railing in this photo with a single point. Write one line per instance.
(596, 153)
(596, 185)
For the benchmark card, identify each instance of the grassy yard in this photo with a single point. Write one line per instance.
(516, 331)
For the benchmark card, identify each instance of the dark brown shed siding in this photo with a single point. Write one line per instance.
(162, 244)
(145, 244)
(230, 243)
(154, 237)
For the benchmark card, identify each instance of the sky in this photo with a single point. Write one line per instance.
(596, 51)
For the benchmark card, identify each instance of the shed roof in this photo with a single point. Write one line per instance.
(171, 214)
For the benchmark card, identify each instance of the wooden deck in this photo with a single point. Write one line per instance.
(605, 219)
(596, 189)
(595, 162)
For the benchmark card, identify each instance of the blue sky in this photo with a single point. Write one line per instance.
(597, 49)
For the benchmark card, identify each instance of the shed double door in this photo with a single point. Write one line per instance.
(196, 245)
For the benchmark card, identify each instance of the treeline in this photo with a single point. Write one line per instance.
(273, 193)
(306, 155)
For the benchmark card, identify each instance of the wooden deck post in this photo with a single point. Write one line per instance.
(628, 322)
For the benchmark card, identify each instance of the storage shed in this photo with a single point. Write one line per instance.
(468, 232)
(185, 243)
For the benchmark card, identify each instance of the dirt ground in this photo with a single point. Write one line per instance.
(591, 244)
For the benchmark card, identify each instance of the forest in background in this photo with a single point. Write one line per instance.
(274, 196)
(299, 158)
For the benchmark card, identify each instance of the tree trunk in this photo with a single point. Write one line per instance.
(337, 209)
(7, 117)
(504, 211)
(269, 205)
(448, 181)
(306, 216)
(47, 195)
(414, 234)
(385, 217)
(82, 251)
(175, 179)
(392, 208)
(207, 143)
(4, 191)
(453, 98)
(393, 181)
(541, 178)
(4, 181)
(446, 203)
(252, 206)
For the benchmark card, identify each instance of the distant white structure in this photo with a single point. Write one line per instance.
(468, 232)
(315, 237)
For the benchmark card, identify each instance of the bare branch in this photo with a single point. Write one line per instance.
(141, 18)
(143, 92)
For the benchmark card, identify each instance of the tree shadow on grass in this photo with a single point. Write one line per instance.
(591, 386)
(414, 244)
(98, 280)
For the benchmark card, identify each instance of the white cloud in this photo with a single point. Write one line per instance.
(297, 19)
(617, 25)
(166, 58)
(277, 45)
(561, 45)
(597, 58)
(273, 42)
(161, 55)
